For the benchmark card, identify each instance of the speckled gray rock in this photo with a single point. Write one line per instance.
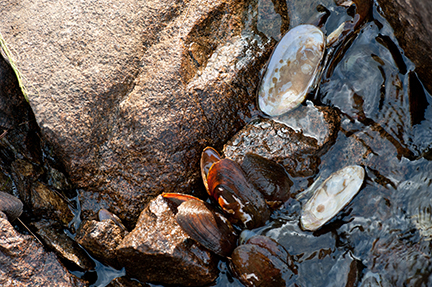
(158, 250)
(129, 92)
(295, 140)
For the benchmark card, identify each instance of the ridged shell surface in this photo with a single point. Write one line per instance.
(292, 69)
(331, 196)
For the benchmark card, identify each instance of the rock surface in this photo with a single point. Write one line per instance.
(66, 248)
(298, 153)
(101, 239)
(158, 250)
(24, 262)
(130, 92)
(412, 26)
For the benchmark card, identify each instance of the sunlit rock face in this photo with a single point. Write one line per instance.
(129, 105)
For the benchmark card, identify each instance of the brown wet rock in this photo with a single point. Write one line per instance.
(24, 173)
(158, 250)
(48, 202)
(101, 239)
(66, 248)
(412, 27)
(130, 92)
(24, 262)
(297, 152)
(126, 282)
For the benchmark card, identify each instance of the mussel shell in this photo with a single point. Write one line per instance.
(262, 262)
(242, 203)
(209, 156)
(104, 214)
(268, 177)
(331, 197)
(206, 226)
(10, 205)
(292, 69)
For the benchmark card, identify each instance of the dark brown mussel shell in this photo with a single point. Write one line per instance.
(208, 227)
(10, 205)
(261, 261)
(209, 156)
(242, 203)
(269, 178)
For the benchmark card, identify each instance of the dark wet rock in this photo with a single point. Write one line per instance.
(297, 152)
(18, 128)
(126, 282)
(129, 106)
(400, 252)
(24, 262)
(55, 238)
(10, 205)
(46, 201)
(412, 27)
(24, 173)
(158, 250)
(101, 239)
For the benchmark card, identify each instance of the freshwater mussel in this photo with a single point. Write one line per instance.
(299, 58)
(261, 261)
(10, 205)
(242, 195)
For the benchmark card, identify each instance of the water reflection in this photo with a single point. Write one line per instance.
(383, 237)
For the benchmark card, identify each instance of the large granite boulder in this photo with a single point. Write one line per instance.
(412, 24)
(129, 92)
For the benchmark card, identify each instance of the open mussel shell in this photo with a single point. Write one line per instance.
(331, 197)
(197, 218)
(10, 205)
(209, 156)
(268, 177)
(242, 203)
(261, 261)
(292, 69)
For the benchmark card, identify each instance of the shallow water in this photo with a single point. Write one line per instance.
(382, 238)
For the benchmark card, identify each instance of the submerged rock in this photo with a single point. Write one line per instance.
(24, 262)
(158, 250)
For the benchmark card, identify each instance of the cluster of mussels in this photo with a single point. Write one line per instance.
(245, 196)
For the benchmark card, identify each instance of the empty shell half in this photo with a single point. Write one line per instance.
(331, 196)
(292, 69)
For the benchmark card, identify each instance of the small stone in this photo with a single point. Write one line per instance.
(101, 239)
(159, 251)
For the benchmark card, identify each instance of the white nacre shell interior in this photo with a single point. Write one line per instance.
(331, 196)
(292, 69)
